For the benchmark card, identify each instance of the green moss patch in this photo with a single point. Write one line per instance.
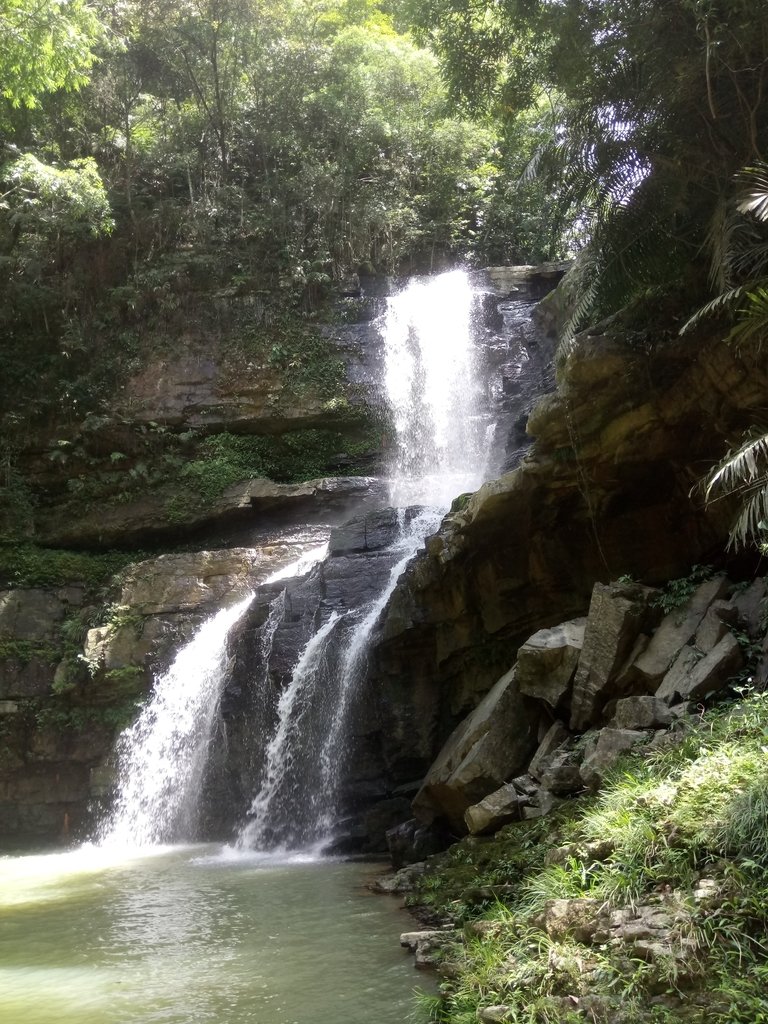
(28, 565)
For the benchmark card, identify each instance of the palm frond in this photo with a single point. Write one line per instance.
(722, 303)
(580, 289)
(719, 234)
(740, 468)
(752, 521)
(756, 199)
(744, 473)
(754, 317)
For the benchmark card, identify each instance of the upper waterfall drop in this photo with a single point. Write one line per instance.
(434, 391)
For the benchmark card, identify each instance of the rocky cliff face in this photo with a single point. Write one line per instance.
(606, 491)
(76, 656)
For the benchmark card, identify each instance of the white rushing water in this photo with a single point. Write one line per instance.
(301, 747)
(161, 758)
(301, 566)
(287, 741)
(443, 436)
(434, 391)
(352, 662)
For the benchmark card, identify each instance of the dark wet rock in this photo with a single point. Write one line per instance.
(488, 747)
(380, 820)
(412, 841)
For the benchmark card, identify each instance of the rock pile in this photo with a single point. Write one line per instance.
(585, 692)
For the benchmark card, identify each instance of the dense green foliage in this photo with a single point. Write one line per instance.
(216, 164)
(683, 831)
(25, 565)
(652, 109)
(46, 46)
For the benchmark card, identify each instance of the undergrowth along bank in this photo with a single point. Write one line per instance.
(644, 904)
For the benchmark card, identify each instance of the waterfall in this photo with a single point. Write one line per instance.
(434, 391)
(286, 781)
(443, 433)
(353, 663)
(301, 739)
(161, 758)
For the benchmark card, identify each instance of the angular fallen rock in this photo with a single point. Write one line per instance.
(693, 678)
(714, 626)
(490, 746)
(675, 631)
(642, 713)
(429, 947)
(562, 774)
(547, 661)
(611, 744)
(618, 614)
(554, 738)
(496, 810)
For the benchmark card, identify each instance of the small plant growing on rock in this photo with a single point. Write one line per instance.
(677, 592)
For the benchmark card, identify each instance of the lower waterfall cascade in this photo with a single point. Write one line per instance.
(442, 408)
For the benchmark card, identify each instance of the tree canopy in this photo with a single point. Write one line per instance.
(653, 106)
(46, 45)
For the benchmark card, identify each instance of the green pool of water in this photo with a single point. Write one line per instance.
(194, 935)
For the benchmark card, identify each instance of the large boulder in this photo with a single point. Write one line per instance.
(547, 661)
(675, 630)
(618, 614)
(642, 713)
(693, 677)
(488, 748)
(610, 746)
(497, 809)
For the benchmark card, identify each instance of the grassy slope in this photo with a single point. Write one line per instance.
(684, 831)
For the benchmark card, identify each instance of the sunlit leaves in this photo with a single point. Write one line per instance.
(744, 473)
(46, 45)
(70, 199)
